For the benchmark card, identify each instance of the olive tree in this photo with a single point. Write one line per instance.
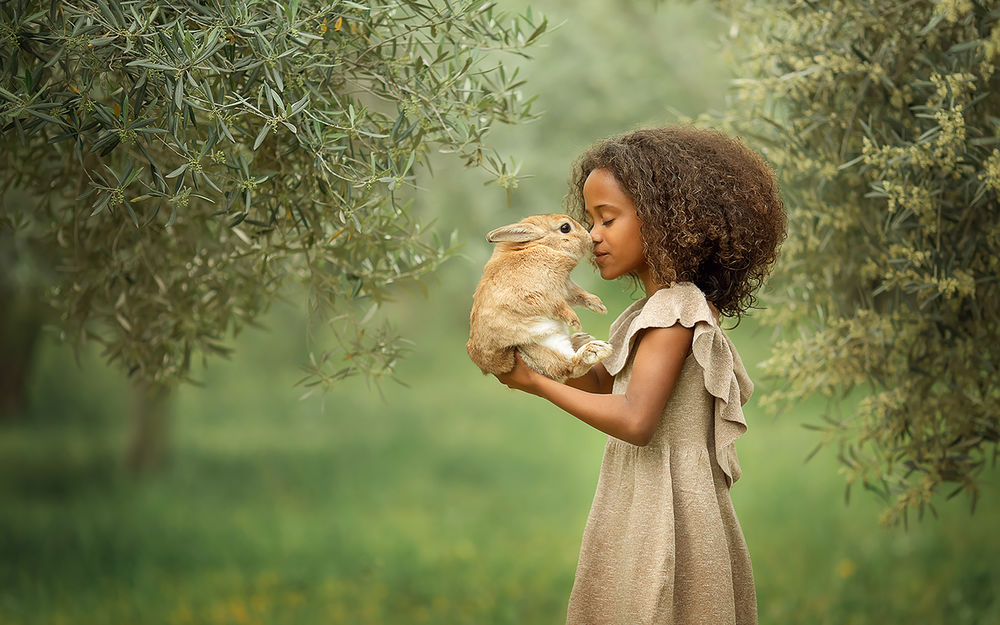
(170, 165)
(881, 118)
(186, 158)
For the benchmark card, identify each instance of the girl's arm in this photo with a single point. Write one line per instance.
(634, 415)
(597, 380)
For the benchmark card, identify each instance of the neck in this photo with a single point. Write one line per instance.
(648, 283)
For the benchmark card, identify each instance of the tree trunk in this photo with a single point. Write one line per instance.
(147, 447)
(21, 319)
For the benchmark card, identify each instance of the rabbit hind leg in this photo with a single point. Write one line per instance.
(489, 358)
(554, 363)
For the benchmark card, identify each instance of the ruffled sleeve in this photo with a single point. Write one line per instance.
(725, 377)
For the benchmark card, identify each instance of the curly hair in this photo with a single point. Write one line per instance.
(709, 208)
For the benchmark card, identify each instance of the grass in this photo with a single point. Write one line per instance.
(450, 501)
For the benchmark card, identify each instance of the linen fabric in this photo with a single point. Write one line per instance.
(662, 544)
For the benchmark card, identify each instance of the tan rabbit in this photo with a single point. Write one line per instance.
(523, 301)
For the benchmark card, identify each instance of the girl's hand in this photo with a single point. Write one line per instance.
(521, 377)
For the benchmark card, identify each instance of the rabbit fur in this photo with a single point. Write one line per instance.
(524, 297)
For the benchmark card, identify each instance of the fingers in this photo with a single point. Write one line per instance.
(509, 381)
(519, 377)
(508, 378)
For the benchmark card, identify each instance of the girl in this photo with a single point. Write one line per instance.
(696, 217)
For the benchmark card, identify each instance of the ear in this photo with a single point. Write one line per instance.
(516, 233)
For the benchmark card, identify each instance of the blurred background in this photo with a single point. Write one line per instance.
(449, 499)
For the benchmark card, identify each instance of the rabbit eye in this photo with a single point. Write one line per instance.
(565, 228)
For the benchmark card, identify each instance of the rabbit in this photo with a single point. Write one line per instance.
(523, 301)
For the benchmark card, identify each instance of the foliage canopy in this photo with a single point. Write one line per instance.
(186, 157)
(881, 118)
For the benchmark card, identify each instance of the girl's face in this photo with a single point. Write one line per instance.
(617, 242)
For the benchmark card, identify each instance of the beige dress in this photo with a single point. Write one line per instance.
(662, 543)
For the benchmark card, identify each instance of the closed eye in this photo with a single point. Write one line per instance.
(607, 223)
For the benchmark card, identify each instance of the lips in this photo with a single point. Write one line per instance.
(598, 256)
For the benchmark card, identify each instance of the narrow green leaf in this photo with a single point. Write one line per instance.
(538, 31)
(43, 116)
(150, 65)
(177, 172)
(261, 135)
(179, 91)
(132, 177)
(939, 15)
(100, 204)
(299, 105)
(131, 214)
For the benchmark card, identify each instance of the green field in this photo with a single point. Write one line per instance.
(452, 500)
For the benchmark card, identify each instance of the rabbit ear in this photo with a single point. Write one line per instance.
(516, 233)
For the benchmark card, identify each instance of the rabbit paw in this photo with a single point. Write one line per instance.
(596, 351)
(580, 339)
(594, 303)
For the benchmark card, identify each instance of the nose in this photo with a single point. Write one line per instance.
(595, 234)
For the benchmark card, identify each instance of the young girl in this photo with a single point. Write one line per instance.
(696, 217)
